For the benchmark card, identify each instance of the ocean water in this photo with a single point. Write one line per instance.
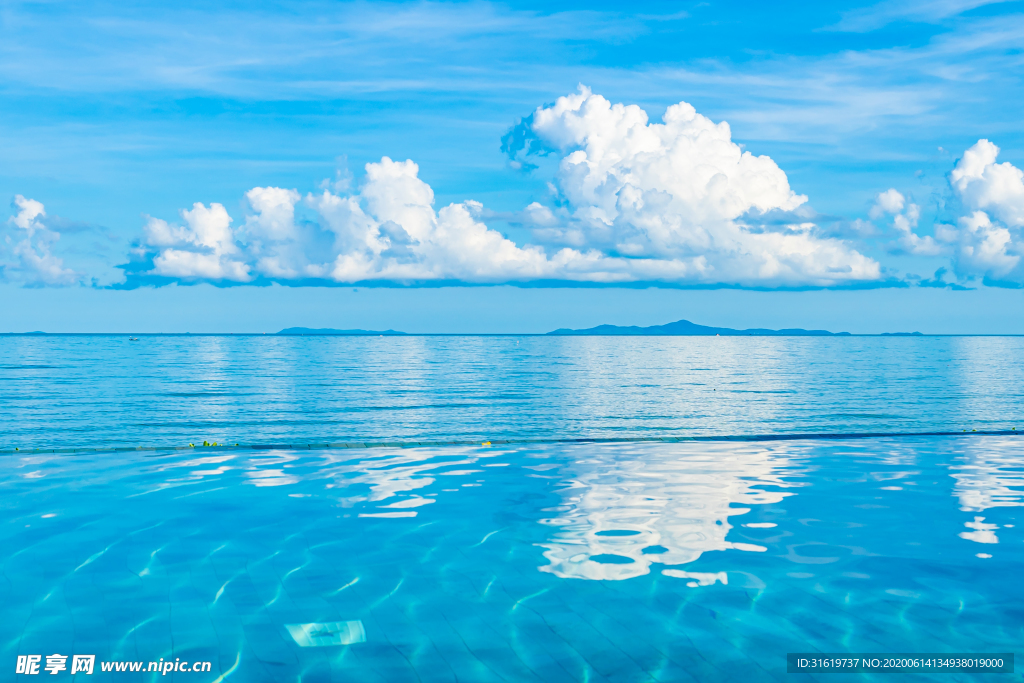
(693, 561)
(99, 391)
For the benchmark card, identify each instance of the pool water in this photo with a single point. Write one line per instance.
(614, 562)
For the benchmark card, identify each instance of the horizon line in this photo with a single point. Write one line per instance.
(503, 334)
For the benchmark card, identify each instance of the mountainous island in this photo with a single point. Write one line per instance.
(686, 328)
(680, 328)
(329, 331)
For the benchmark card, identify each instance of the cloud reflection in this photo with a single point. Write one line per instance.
(393, 479)
(988, 476)
(625, 509)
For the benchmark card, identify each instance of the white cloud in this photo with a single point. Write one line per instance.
(987, 239)
(34, 262)
(984, 247)
(676, 202)
(905, 218)
(29, 210)
(683, 193)
(275, 218)
(983, 184)
(390, 230)
(274, 241)
(204, 248)
(891, 201)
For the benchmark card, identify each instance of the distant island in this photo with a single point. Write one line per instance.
(680, 328)
(686, 328)
(329, 331)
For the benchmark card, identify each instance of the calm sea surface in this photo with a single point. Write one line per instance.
(60, 391)
(544, 562)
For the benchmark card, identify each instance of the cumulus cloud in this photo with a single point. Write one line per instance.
(905, 216)
(888, 202)
(983, 234)
(679, 196)
(390, 230)
(984, 185)
(203, 248)
(984, 247)
(279, 246)
(676, 201)
(31, 248)
(987, 239)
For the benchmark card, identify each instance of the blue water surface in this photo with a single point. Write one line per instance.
(699, 561)
(647, 562)
(73, 391)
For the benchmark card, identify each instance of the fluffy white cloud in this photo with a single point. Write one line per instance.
(988, 238)
(985, 239)
(29, 211)
(275, 217)
(983, 247)
(889, 202)
(204, 248)
(984, 185)
(905, 217)
(390, 230)
(681, 199)
(677, 201)
(34, 262)
(387, 231)
(274, 241)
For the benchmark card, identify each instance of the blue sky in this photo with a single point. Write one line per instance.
(868, 200)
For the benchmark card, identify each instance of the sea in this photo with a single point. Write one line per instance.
(510, 508)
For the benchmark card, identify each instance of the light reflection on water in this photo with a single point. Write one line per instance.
(987, 478)
(699, 561)
(102, 391)
(631, 512)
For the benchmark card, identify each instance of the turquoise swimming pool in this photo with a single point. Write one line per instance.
(614, 562)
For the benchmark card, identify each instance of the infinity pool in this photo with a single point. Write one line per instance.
(628, 562)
